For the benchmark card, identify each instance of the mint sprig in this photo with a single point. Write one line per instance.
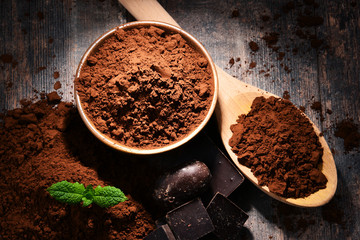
(74, 193)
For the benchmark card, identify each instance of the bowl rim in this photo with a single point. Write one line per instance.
(136, 150)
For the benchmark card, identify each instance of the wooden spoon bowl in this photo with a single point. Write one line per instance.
(235, 98)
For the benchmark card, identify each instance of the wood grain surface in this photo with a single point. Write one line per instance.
(39, 38)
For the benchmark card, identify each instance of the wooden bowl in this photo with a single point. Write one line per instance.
(148, 150)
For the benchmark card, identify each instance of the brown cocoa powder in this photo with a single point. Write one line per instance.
(349, 132)
(57, 85)
(253, 46)
(56, 75)
(286, 95)
(252, 65)
(146, 87)
(280, 146)
(41, 144)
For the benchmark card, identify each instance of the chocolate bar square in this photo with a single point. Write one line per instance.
(225, 175)
(189, 221)
(161, 233)
(228, 219)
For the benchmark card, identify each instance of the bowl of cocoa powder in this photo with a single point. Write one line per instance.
(146, 87)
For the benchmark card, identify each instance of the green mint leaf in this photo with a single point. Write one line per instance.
(86, 201)
(89, 192)
(108, 196)
(66, 192)
(88, 196)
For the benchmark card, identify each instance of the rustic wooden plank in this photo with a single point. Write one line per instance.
(339, 78)
(330, 76)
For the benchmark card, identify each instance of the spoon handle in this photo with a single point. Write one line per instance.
(148, 10)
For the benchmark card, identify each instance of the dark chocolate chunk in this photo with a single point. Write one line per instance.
(182, 185)
(161, 233)
(190, 221)
(225, 175)
(227, 217)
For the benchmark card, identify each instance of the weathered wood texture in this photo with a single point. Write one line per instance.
(44, 37)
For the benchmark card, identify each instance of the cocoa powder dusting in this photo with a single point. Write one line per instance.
(57, 85)
(145, 87)
(41, 145)
(349, 132)
(286, 95)
(56, 75)
(253, 46)
(280, 146)
(252, 65)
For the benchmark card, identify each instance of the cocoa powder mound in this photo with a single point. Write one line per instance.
(280, 146)
(145, 87)
(41, 144)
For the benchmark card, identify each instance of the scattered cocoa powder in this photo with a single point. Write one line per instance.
(316, 43)
(265, 18)
(271, 39)
(329, 111)
(40, 145)
(309, 21)
(40, 69)
(53, 97)
(254, 46)
(8, 58)
(8, 85)
(57, 85)
(56, 75)
(235, 13)
(281, 56)
(316, 106)
(349, 132)
(145, 87)
(280, 146)
(289, 6)
(40, 15)
(293, 219)
(334, 213)
(231, 62)
(305, 20)
(252, 65)
(286, 95)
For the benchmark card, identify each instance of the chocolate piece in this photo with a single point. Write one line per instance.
(227, 217)
(161, 233)
(190, 221)
(182, 185)
(225, 176)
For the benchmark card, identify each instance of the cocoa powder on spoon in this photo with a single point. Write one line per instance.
(280, 146)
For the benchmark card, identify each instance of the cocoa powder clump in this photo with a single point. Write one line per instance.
(280, 146)
(253, 46)
(41, 144)
(145, 87)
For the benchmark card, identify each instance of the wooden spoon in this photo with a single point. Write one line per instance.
(235, 98)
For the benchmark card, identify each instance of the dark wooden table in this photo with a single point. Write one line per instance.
(313, 64)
